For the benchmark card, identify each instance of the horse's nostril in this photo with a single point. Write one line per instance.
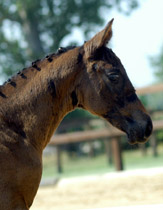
(149, 128)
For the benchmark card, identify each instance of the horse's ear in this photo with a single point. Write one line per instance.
(99, 40)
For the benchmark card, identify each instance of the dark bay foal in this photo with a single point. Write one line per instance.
(33, 103)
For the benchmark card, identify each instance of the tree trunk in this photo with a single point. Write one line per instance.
(31, 33)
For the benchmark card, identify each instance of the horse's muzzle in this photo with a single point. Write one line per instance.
(139, 131)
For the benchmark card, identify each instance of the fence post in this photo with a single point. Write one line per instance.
(117, 155)
(153, 143)
(108, 150)
(59, 164)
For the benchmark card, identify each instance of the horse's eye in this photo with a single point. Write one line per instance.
(94, 67)
(113, 77)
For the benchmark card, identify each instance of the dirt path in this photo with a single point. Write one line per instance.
(115, 189)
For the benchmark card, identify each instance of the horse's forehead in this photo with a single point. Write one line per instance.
(107, 55)
(111, 57)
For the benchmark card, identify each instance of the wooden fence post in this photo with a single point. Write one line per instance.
(153, 143)
(117, 155)
(108, 150)
(59, 163)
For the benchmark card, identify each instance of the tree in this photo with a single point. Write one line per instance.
(157, 63)
(157, 99)
(32, 28)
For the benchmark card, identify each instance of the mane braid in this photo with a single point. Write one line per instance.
(35, 66)
(64, 49)
(60, 51)
(49, 57)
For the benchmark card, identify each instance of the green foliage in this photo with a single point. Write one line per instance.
(153, 102)
(159, 136)
(79, 113)
(157, 63)
(30, 29)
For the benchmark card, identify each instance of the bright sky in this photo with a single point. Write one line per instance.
(137, 37)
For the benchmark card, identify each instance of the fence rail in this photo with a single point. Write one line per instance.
(150, 89)
(81, 136)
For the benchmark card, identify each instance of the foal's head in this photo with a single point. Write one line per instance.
(108, 92)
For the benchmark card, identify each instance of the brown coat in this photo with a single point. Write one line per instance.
(33, 103)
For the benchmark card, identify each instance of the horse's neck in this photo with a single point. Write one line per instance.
(34, 109)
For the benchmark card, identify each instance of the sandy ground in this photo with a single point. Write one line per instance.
(114, 189)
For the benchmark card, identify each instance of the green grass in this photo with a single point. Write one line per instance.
(135, 159)
(78, 166)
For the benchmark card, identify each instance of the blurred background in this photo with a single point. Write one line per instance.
(32, 29)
